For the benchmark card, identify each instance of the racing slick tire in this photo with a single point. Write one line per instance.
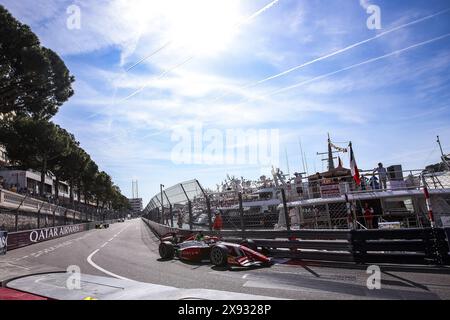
(219, 255)
(166, 250)
(249, 244)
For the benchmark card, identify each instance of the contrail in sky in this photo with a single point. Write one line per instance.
(357, 65)
(149, 56)
(257, 13)
(352, 46)
(160, 77)
(357, 44)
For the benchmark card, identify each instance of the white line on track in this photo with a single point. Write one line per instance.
(92, 263)
(51, 249)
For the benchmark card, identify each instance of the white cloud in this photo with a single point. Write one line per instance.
(364, 3)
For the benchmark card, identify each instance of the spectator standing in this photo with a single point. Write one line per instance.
(373, 182)
(298, 183)
(364, 182)
(368, 215)
(218, 223)
(180, 220)
(382, 175)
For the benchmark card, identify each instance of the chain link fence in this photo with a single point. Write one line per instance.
(313, 203)
(22, 212)
(188, 205)
(183, 205)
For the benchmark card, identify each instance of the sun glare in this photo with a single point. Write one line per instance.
(203, 26)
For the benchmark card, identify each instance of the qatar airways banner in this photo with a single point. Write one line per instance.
(25, 238)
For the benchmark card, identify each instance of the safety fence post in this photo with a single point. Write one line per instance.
(428, 201)
(190, 215)
(208, 208)
(189, 206)
(286, 212)
(208, 205)
(162, 204)
(16, 218)
(241, 211)
(38, 216)
(54, 215)
(170, 210)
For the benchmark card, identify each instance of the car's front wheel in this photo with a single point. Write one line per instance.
(219, 256)
(166, 250)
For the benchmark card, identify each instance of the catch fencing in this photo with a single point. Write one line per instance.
(314, 203)
(21, 212)
(181, 204)
(188, 205)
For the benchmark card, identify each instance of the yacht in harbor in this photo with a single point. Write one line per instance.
(334, 200)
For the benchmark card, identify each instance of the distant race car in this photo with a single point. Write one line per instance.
(102, 226)
(219, 253)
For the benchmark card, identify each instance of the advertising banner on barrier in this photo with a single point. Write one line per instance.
(3, 242)
(25, 238)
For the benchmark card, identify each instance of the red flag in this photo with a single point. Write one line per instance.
(354, 167)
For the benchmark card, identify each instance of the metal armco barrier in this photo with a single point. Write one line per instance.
(13, 201)
(3, 242)
(160, 230)
(25, 238)
(404, 246)
(428, 246)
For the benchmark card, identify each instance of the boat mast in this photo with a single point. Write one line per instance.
(287, 164)
(440, 146)
(303, 156)
(443, 156)
(330, 155)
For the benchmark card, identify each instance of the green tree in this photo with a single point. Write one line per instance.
(34, 83)
(63, 166)
(102, 188)
(86, 180)
(35, 144)
(118, 201)
(33, 79)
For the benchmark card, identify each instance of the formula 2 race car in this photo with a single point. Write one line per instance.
(219, 253)
(102, 226)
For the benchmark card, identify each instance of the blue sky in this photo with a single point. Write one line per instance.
(391, 108)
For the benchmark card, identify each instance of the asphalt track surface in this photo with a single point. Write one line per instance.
(129, 250)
